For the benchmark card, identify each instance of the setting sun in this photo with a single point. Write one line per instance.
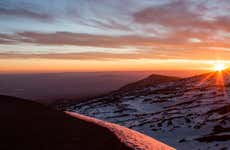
(219, 67)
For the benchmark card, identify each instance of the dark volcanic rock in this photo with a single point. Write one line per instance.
(30, 126)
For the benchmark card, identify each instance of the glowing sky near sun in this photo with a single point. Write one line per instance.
(107, 35)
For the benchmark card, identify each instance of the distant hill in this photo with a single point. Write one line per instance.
(28, 125)
(151, 80)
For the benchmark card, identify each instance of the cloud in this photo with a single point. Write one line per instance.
(199, 53)
(73, 56)
(24, 13)
(78, 12)
(165, 30)
(110, 24)
(25, 10)
(174, 39)
(68, 38)
(176, 45)
(180, 15)
(172, 14)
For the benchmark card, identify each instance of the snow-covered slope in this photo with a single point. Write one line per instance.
(191, 113)
(131, 138)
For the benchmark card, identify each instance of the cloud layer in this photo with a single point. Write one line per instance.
(174, 29)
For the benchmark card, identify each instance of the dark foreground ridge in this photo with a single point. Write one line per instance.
(30, 126)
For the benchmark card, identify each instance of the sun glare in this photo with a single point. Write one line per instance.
(219, 67)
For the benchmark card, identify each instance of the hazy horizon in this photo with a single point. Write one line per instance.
(50, 87)
(177, 73)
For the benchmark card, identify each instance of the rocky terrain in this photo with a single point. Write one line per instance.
(190, 113)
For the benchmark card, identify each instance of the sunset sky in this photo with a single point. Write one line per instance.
(113, 35)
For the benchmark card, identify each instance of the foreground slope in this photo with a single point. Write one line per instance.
(131, 138)
(27, 125)
(191, 113)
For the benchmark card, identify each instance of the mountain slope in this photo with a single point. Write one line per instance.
(191, 113)
(27, 125)
(151, 80)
